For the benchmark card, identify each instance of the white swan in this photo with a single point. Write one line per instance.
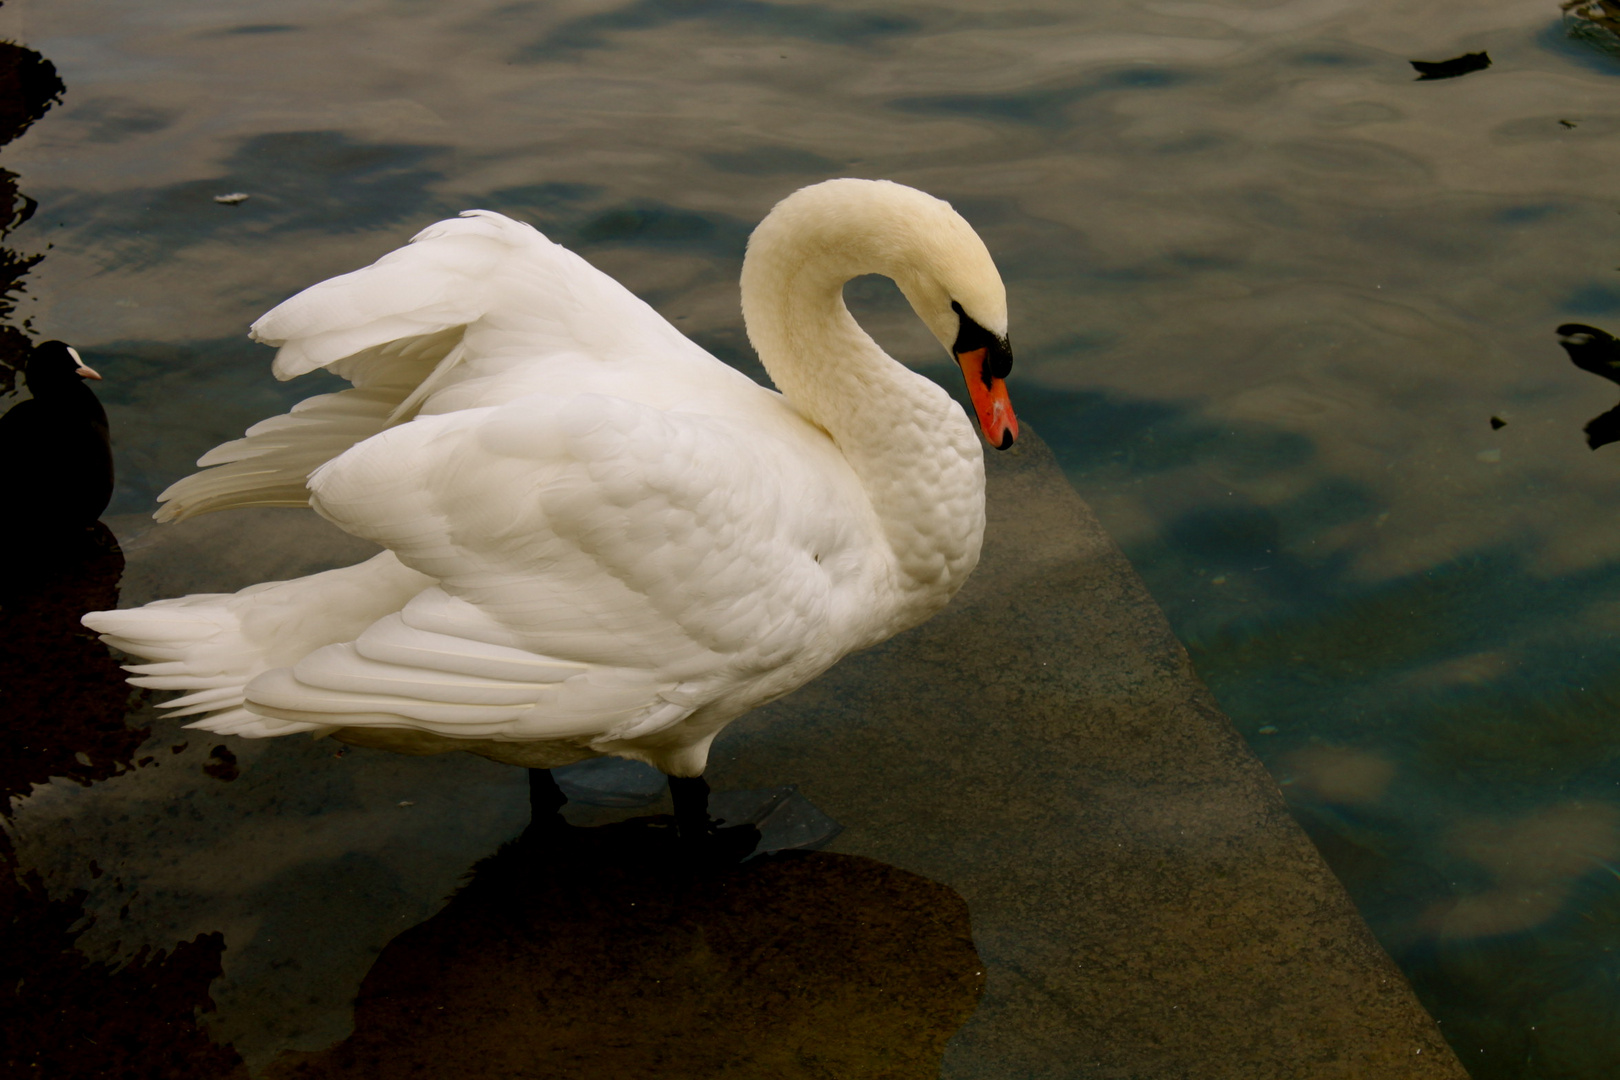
(600, 539)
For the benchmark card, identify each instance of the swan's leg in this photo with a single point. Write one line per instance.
(702, 838)
(546, 800)
(690, 794)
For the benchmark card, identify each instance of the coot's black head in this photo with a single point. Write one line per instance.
(54, 364)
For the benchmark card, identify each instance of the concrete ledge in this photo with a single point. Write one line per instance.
(1144, 904)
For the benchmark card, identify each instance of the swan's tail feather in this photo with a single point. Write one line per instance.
(213, 644)
(253, 726)
(199, 646)
(407, 672)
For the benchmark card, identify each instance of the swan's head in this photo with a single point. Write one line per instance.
(843, 228)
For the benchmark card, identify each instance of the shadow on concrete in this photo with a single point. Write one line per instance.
(594, 955)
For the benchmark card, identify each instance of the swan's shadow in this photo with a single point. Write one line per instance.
(595, 954)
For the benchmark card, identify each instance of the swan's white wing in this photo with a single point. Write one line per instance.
(410, 322)
(270, 465)
(605, 569)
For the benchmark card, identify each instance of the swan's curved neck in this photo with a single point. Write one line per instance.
(912, 447)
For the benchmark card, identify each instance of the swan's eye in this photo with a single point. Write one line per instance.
(970, 336)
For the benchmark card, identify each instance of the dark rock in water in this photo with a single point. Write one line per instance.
(1597, 351)
(55, 448)
(1450, 69)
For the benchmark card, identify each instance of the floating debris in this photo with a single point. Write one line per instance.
(1450, 69)
(1497, 423)
(1597, 351)
(1567, 123)
(233, 198)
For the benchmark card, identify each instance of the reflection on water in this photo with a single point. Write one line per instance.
(1269, 291)
(598, 958)
(60, 727)
(1534, 863)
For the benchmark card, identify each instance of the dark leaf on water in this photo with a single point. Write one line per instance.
(1591, 349)
(1450, 69)
(1596, 351)
(1604, 429)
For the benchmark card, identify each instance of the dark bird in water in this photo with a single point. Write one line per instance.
(1450, 69)
(54, 449)
(1596, 351)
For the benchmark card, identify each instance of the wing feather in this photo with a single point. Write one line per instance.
(605, 569)
(391, 328)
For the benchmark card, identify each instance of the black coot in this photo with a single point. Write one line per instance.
(55, 457)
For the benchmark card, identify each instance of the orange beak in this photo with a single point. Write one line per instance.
(990, 400)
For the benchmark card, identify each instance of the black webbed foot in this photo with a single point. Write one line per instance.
(710, 831)
(704, 840)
